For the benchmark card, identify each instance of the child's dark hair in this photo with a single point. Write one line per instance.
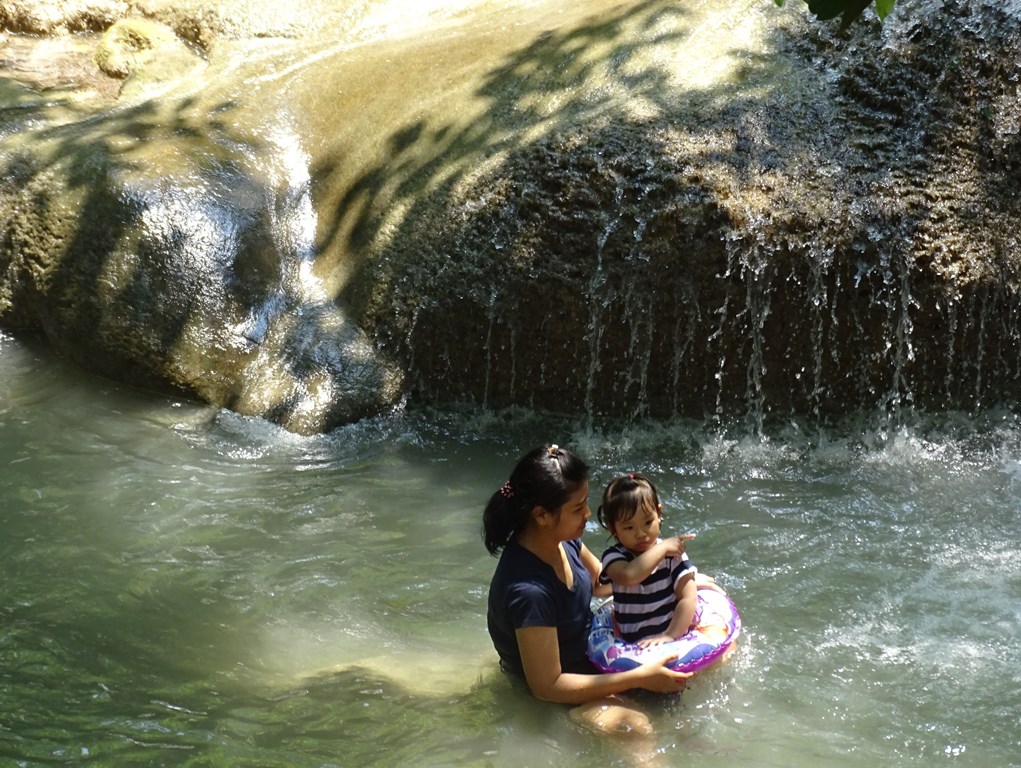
(544, 477)
(623, 498)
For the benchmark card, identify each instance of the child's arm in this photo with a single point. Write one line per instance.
(687, 603)
(636, 571)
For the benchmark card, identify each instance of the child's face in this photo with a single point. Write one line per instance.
(641, 531)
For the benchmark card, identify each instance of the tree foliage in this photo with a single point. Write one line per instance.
(848, 10)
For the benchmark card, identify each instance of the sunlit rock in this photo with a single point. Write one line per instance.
(130, 44)
(616, 210)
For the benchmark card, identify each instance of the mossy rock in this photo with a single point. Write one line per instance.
(131, 43)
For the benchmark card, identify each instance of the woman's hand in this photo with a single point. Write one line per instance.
(659, 678)
(702, 580)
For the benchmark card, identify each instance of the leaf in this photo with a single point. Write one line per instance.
(884, 7)
(848, 9)
(852, 12)
(827, 9)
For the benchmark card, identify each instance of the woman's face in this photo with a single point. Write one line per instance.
(573, 514)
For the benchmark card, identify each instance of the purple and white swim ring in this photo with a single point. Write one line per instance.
(717, 625)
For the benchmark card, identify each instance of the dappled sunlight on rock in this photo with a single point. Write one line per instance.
(621, 209)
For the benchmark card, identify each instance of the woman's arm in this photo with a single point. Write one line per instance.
(540, 657)
(594, 567)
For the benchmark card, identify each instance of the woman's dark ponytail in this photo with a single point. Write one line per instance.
(501, 518)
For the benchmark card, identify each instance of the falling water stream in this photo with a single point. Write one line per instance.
(183, 586)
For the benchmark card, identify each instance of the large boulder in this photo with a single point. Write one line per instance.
(149, 248)
(619, 210)
(831, 228)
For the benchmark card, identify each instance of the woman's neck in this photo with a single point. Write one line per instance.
(550, 552)
(546, 549)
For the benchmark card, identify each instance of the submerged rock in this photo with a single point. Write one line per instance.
(201, 22)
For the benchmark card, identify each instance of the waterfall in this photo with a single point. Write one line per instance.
(721, 210)
(798, 254)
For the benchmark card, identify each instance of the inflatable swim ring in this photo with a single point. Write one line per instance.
(717, 625)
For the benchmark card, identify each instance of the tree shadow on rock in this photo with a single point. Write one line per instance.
(151, 244)
(93, 270)
(738, 249)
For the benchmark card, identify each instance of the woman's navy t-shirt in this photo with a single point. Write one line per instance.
(525, 592)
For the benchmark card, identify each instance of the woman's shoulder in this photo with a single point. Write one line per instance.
(574, 549)
(515, 563)
(574, 545)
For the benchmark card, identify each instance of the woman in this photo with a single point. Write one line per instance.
(539, 598)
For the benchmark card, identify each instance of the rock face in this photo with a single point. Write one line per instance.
(201, 23)
(130, 43)
(622, 211)
(179, 276)
(755, 251)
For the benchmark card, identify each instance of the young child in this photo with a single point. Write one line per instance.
(653, 580)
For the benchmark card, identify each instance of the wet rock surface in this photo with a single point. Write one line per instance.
(572, 221)
(770, 256)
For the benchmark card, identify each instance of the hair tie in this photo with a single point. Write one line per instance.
(632, 477)
(553, 450)
(507, 490)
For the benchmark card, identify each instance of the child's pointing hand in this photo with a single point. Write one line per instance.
(675, 544)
